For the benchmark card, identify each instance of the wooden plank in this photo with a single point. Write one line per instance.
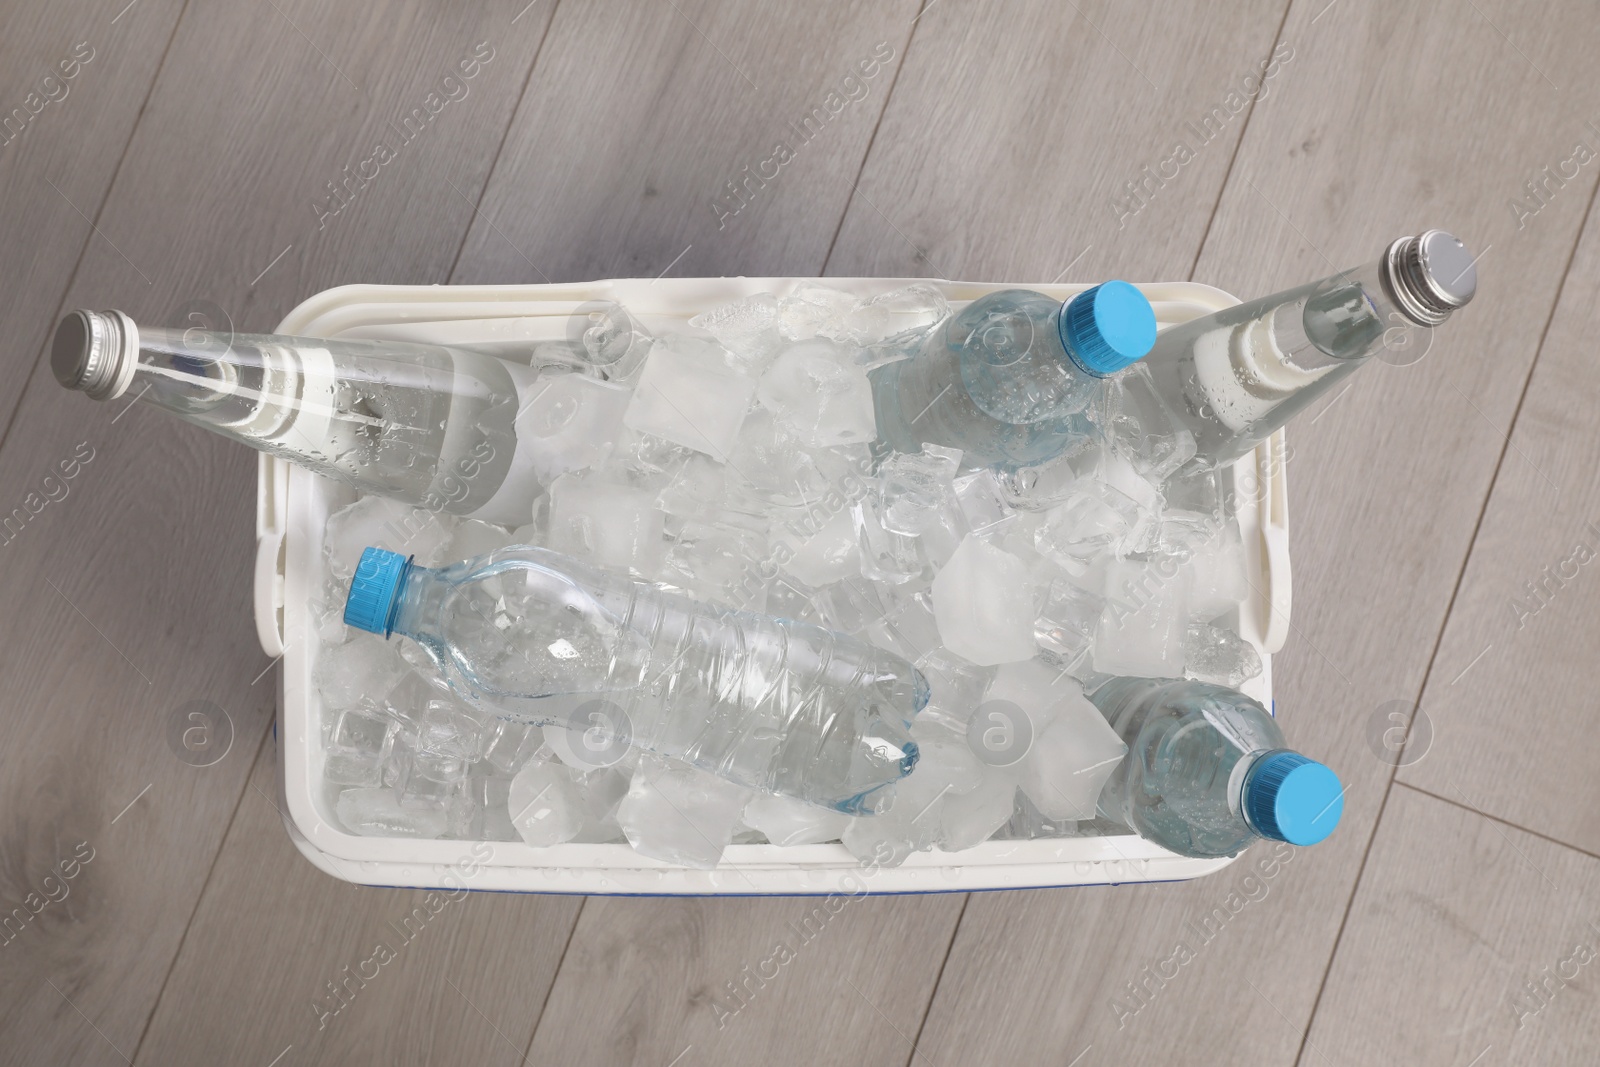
(842, 979)
(636, 129)
(1040, 143)
(349, 974)
(1363, 140)
(130, 595)
(1510, 705)
(1469, 942)
(73, 77)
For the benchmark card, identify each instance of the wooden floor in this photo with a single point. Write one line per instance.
(1444, 507)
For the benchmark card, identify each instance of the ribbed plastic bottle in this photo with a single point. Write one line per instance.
(1207, 772)
(425, 424)
(1235, 376)
(773, 704)
(1002, 378)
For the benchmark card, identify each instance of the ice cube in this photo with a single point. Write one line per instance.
(1218, 578)
(886, 556)
(849, 605)
(512, 746)
(889, 839)
(680, 814)
(358, 744)
(814, 310)
(363, 728)
(748, 315)
(769, 466)
(1028, 823)
(983, 504)
(1118, 473)
(913, 822)
(472, 539)
(1142, 627)
(1041, 487)
(607, 338)
(1066, 623)
(378, 812)
(971, 818)
(644, 460)
(944, 757)
(786, 821)
(956, 686)
(983, 601)
(1141, 427)
(1193, 496)
(1071, 760)
(430, 775)
(690, 396)
(818, 394)
(449, 729)
(916, 487)
(1180, 538)
(1222, 657)
(718, 561)
(747, 328)
(366, 667)
(422, 666)
(899, 318)
(327, 613)
(569, 422)
(1093, 519)
(602, 791)
(614, 525)
(543, 805)
(907, 626)
(821, 554)
(488, 797)
(407, 702)
(696, 488)
(384, 523)
(1038, 689)
(941, 539)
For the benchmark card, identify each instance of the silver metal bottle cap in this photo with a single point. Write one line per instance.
(95, 352)
(1429, 276)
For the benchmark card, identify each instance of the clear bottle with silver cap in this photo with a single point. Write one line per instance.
(1235, 376)
(425, 424)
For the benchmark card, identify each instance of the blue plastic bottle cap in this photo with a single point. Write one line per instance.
(1291, 798)
(1108, 327)
(374, 588)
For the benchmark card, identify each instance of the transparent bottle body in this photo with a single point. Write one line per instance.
(994, 381)
(1235, 376)
(1190, 747)
(429, 425)
(773, 704)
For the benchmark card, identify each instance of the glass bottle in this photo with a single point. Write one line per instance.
(1235, 376)
(425, 424)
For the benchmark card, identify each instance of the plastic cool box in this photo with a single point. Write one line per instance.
(293, 505)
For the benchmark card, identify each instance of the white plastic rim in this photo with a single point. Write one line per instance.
(293, 505)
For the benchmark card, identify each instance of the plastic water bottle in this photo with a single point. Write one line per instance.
(425, 424)
(1002, 378)
(1207, 772)
(772, 704)
(1235, 376)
